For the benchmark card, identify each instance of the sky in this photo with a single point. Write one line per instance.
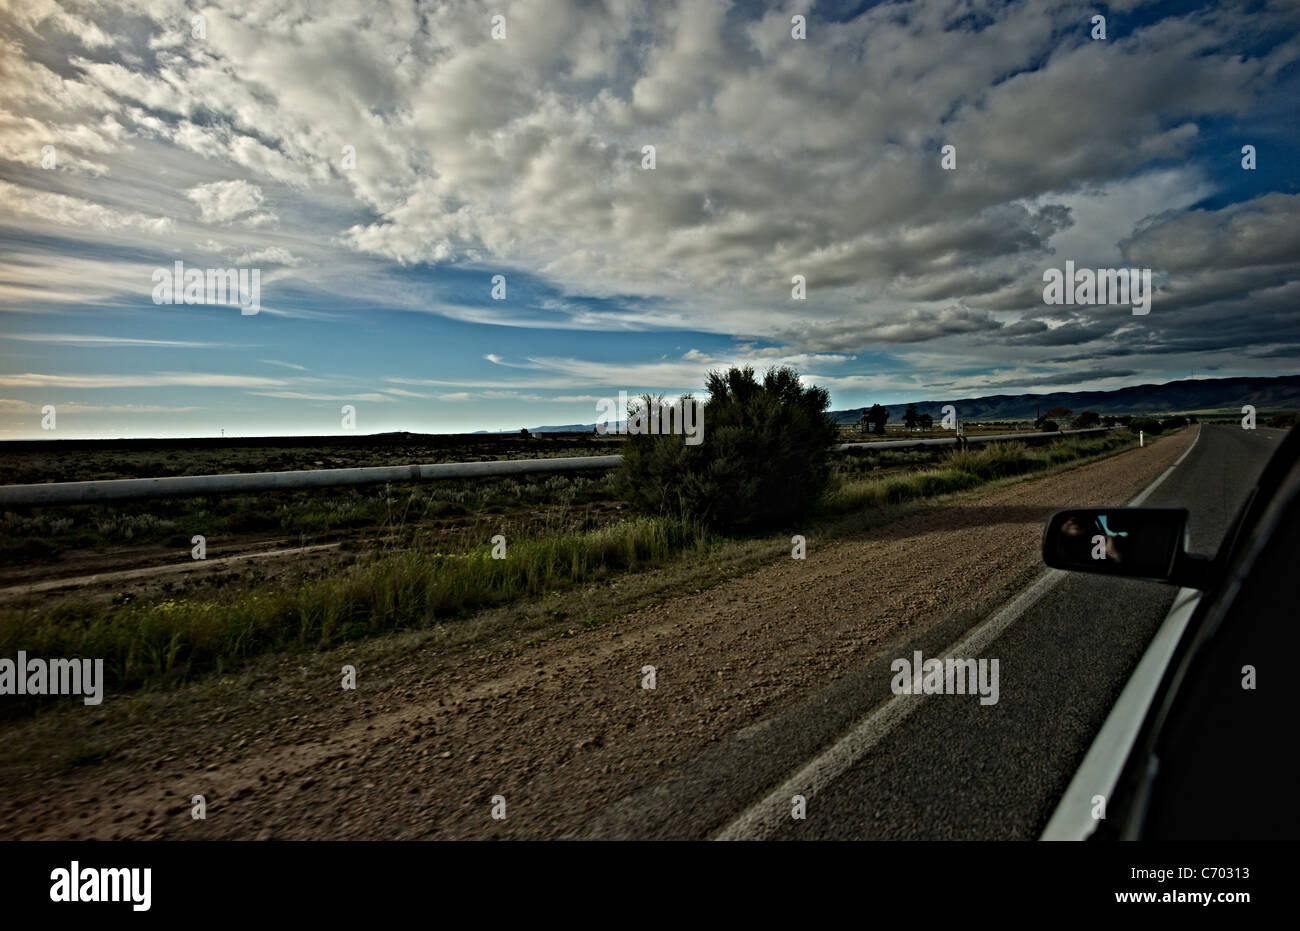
(378, 164)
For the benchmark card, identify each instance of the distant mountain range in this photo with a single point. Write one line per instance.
(1189, 394)
(566, 428)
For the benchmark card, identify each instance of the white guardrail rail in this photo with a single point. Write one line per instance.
(179, 486)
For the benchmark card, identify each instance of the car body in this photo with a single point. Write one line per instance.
(1197, 747)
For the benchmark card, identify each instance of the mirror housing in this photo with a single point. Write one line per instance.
(1140, 543)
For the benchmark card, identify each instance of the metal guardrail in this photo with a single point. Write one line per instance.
(135, 489)
(179, 486)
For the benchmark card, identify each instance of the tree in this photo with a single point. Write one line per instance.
(1146, 425)
(927, 421)
(877, 417)
(910, 417)
(1048, 426)
(1056, 413)
(764, 459)
(1086, 419)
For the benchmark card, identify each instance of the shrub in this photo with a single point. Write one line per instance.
(1147, 425)
(1173, 423)
(764, 459)
(990, 460)
(1049, 426)
(1284, 421)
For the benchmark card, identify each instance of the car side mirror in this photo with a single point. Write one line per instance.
(1142, 543)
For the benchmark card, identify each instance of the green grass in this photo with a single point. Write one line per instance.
(960, 469)
(143, 643)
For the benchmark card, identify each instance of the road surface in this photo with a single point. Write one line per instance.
(956, 769)
(950, 767)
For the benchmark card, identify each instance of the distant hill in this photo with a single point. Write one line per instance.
(1189, 394)
(1197, 394)
(565, 428)
(573, 428)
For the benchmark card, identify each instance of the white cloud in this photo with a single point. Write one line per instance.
(65, 210)
(310, 396)
(223, 202)
(157, 380)
(271, 255)
(774, 158)
(73, 339)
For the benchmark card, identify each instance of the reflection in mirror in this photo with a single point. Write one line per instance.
(1139, 542)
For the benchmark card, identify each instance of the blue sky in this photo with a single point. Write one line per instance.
(223, 147)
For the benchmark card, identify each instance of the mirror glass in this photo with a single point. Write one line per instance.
(1142, 542)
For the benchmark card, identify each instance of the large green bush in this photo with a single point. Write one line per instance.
(764, 460)
(1148, 425)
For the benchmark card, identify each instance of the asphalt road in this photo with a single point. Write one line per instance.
(958, 769)
(946, 766)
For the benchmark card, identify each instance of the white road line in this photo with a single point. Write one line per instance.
(1136, 502)
(762, 819)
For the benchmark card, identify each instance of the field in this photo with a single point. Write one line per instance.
(311, 569)
(40, 535)
(853, 433)
(24, 462)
